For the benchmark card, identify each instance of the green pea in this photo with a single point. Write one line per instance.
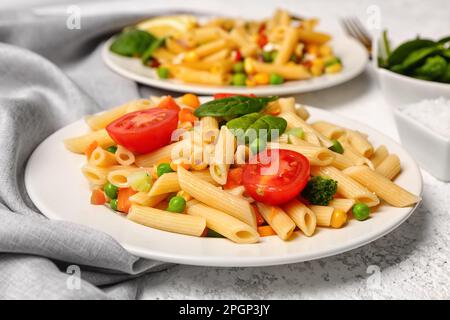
(111, 190)
(274, 55)
(337, 147)
(361, 211)
(176, 204)
(238, 67)
(163, 168)
(267, 56)
(112, 149)
(113, 204)
(258, 145)
(276, 79)
(163, 72)
(238, 79)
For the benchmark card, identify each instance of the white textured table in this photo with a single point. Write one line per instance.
(412, 261)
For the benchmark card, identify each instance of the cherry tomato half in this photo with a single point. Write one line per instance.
(227, 95)
(276, 181)
(144, 131)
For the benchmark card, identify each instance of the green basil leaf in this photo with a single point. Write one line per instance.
(401, 52)
(232, 106)
(418, 56)
(132, 43)
(262, 128)
(148, 54)
(433, 68)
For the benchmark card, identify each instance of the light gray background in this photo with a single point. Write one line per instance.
(411, 262)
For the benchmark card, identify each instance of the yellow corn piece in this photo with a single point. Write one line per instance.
(261, 78)
(338, 219)
(334, 68)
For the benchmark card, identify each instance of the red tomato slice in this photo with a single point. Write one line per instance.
(144, 131)
(276, 181)
(227, 95)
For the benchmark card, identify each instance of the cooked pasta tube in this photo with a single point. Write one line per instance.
(302, 112)
(207, 34)
(224, 224)
(80, 144)
(167, 183)
(167, 221)
(285, 18)
(324, 215)
(277, 219)
(211, 47)
(382, 186)
(242, 154)
(95, 175)
(303, 217)
(317, 156)
(102, 158)
(215, 197)
(124, 156)
(119, 177)
(201, 77)
(342, 204)
(240, 37)
(389, 167)
(143, 199)
(312, 36)
(163, 55)
(174, 46)
(287, 106)
(101, 120)
(341, 162)
(351, 153)
(360, 143)
(379, 155)
(223, 156)
(221, 55)
(210, 129)
(214, 67)
(289, 72)
(329, 130)
(150, 159)
(287, 46)
(346, 186)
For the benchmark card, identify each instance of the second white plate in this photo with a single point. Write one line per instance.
(353, 55)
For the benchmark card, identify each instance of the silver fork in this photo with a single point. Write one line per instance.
(354, 28)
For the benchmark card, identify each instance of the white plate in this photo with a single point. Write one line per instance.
(352, 54)
(56, 185)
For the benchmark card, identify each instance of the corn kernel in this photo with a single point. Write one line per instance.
(325, 50)
(338, 219)
(191, 56)
(250, 82)
(261, 78)
(186, 196)
(334, 68)
(248, 66)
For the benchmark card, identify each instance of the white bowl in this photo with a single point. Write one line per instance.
(430, 149)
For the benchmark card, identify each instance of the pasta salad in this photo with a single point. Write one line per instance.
(238, 167)
(225, 51)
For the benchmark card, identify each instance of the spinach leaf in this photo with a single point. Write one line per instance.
(262, 128)
(446, 76)
(243, 122)
(401, 52)
(444, 40)
(433, 68)
(132, 43)
(418, 56)
(148, 54)
(232, 106)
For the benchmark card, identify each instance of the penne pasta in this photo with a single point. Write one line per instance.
(317, 156)
(143, 199)
(167, 221)
(223, 156)
(119, 176)
(290, 40)
(303, 217)
(289, 72)
(224, 224)
(342, 204)
(277, 219)
(102, 158)
(150, 159)
(201, 77)
(124, 156)
(324, 215)
(209, 128)
(382, 186)
(360, 143)
(329, 130)
(389, 167)
(379, 155)
(216, 198)
(80, 144)
(167, 183)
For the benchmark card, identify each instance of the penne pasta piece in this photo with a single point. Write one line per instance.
(150, 159)
(274, 21)
(351, 153)
(302, 112)
(224, 224)
(382, 186)
(202, 77)
(277, 219)
(222, 66)
(284, 18)
(215, 197)
(379, 155)
(211, 47)
(312, 36)
(174, 46)
(95, 175)
(209, 128)
(329, 130)
(101, 120)
(223, 156)
(323, 214)
(317, 156)
(389, 167)
(163, 55)
(347, 187)
(219, 56)
(80, 144)
(167, 183)
(119, 176)
(242, 154)
(241, 39)
(290, 40)
(341, 162)
(289, 72)
(303, 217)
(342, 204)
(102, 158)
(124, 156)
(167, 221)
(207, 34)
(360, 143)
(143, 199)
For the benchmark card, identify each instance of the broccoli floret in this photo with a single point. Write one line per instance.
(320, 191)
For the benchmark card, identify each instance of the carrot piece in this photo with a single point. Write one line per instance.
(163, 160)
(90, 149)
(265, 231)
(123, 199)
(168, 103)
(234, 178)
(186, 115)
(259, 218)
(191, 100)
(98, 197)
(174, 166)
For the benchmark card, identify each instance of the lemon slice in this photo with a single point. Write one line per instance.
(168, 26)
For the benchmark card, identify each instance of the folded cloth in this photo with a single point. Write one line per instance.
(40, 258)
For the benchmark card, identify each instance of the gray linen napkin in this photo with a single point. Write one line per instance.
(38, 96)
